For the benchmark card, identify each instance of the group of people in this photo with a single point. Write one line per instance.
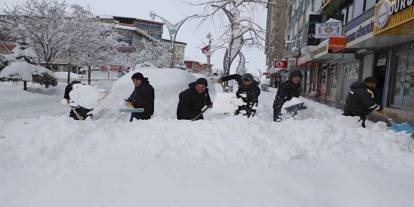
(196, 99)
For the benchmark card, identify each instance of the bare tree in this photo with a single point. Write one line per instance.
(240, 31)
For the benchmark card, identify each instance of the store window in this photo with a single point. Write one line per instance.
(403, 90)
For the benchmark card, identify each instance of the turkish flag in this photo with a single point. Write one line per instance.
(205, 50)
(280, 64)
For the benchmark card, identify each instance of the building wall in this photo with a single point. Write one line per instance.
(275, 31)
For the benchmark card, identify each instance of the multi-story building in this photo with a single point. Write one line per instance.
(152, 28)
(275, 48)
(376, 39)
(179, 50)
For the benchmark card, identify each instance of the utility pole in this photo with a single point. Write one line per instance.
(210, 52)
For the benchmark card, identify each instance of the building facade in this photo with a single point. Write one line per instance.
(376, 38)
(179, 50)
(275, 48)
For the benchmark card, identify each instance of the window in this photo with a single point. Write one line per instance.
(350, 14)
(369, 4)
(358, 8)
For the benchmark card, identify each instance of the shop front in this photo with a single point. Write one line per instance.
(394, 63)
(402, 78)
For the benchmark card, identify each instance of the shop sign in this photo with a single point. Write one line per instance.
(328, 29)
(313, 20)
(386, 9)
(337, 44)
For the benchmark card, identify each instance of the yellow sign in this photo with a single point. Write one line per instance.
(394, 18)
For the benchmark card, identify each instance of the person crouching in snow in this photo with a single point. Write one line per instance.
(141, 97)
(248, 91)
(361, 99)
(193, 100)
(286, 91)
(77, 113)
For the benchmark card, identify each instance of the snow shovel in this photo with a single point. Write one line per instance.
(399, 127)
(205, 108)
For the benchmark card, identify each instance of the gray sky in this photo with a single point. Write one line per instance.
(174, 10)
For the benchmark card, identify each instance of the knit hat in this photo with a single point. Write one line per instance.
(201, 81)
(296, 73)
(138, 76)
(247, 77)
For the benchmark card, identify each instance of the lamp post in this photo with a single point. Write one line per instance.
(173, 30)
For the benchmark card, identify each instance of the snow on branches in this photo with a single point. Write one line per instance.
(57, 30)
(23, 67)
(240, 31)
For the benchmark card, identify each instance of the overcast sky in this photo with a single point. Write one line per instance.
(191, 33)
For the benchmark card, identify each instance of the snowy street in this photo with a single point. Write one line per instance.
(206, 103)
(319, 159)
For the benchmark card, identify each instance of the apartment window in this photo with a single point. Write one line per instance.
(350, 12)
(358, 8)
(369, 4)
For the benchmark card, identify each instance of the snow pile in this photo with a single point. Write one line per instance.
(167, 83)
(226, 103)
(24, 71)
(85, 96)
(292, 102)
(64, 75)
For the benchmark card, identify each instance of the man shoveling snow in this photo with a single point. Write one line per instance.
(248, 91)
(82, 99)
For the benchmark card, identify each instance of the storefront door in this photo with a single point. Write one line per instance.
(379, 73)
(403, 90)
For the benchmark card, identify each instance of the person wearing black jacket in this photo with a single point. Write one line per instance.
(142, 97)
(286, 91)
(361, 99)
(248, 91)
(77, 113)
(193, 100)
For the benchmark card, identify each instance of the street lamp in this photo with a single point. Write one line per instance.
(173, 30)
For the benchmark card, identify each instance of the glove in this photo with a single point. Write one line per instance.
(210, 106)
(129, 105)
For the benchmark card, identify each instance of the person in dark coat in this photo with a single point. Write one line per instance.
(361, 99)
(77, 113)
(193, 100)
(286, 91)
(248, 91)
(142, 97)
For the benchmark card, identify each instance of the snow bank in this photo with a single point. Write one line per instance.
(226, 103)
(23, 71)
(168, 83)
(85, 96)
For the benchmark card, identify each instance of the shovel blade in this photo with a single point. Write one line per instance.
(403, 127)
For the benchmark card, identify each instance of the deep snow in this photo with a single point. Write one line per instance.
(319, 159)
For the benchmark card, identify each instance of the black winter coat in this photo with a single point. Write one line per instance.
(143, 97)
(287, 90)
(360, 101)
(191, 103)
(249, 94)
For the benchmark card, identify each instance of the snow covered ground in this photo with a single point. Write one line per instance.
(319, 159)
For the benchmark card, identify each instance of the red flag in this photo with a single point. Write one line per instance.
(205, 50)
